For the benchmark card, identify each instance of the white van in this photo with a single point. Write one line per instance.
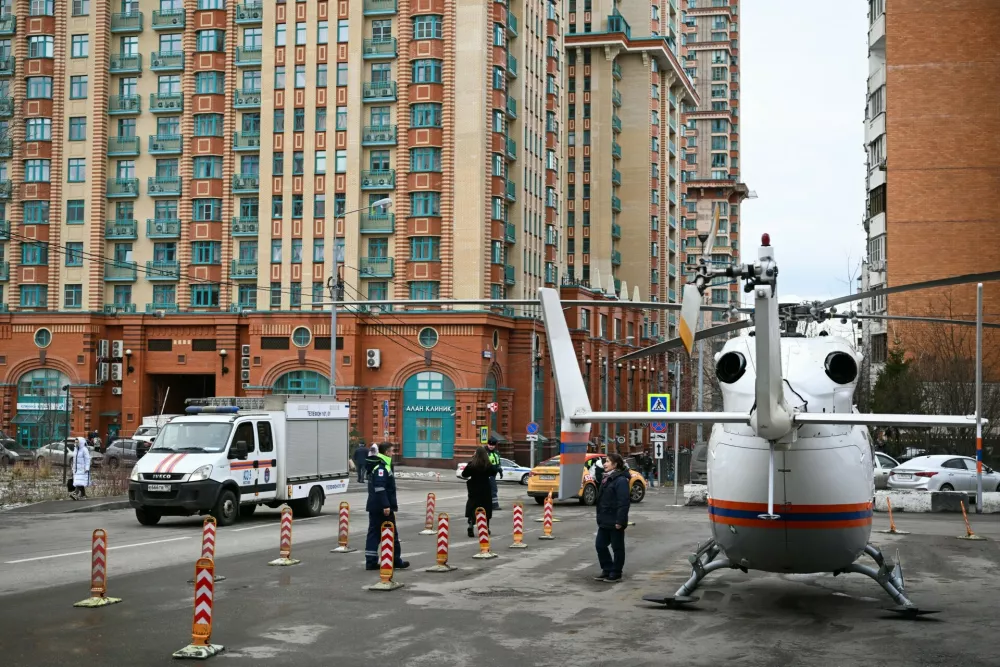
(229, 455)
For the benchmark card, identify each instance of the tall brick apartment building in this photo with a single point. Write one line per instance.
(177, 174)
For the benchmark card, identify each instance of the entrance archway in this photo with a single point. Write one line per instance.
(429, 416)
(41, 408)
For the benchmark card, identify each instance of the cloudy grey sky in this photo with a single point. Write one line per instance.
(803, 72)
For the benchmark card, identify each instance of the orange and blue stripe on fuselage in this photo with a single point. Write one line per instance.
(854, 515)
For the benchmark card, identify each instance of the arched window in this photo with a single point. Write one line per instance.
(302, 382)
(42, 382)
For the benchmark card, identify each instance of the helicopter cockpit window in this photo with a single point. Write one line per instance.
(730, 367)
(841, 367)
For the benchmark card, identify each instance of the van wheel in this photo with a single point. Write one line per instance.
(227, 509)
(147, 517)
(313, 505)
(540, 500)
(589, 496)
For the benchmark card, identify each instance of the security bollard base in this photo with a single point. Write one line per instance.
(441, 568)
(195, 652)
(343, 550)
(518, 545)
(554, 520)
(546, 537)
(485, 554)
(284, 561)
(974, 538)
(427, 531)
(97, 602)
(894, 532)
(385, 586)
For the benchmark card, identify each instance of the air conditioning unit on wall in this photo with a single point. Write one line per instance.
(373, 358)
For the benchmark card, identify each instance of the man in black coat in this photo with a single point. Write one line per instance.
(360, 456)
(612, 518)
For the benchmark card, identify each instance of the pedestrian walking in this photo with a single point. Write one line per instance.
(494, 458)
(360, 457)
(81, 470)
(612, 518)
(479, 473)
(381, 506)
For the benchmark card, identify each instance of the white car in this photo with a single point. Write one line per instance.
(511, 472)
(942, 472)
(883, 466)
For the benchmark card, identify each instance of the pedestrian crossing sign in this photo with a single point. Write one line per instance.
(484, 434)
(658, 402)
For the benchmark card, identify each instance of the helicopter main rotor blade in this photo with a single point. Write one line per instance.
(690, 314)
(932, 320)
(660, 348)
(927, 284)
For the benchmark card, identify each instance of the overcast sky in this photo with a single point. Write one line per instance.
(803, 73)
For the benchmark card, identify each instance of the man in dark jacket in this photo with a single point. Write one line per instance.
(381, 507)
(612, 518)
(360, 457)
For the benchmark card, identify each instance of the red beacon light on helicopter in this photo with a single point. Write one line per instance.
(765, 239)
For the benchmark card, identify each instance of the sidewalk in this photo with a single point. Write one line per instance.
(71, 506)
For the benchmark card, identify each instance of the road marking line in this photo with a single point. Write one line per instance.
(80, 553)
(271, 525)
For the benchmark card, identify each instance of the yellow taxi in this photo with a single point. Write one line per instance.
(544, 478)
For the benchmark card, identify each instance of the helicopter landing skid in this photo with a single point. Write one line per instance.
(703, 562)
(890, 577)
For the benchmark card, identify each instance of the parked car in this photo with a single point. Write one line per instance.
(53, 454)
(544, 478)
(942, 472)
(883, 466)
(8, 457)
(512, 472)
(125, 451)
(699, 465)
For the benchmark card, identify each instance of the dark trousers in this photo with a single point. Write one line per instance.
(375, 521)
(361, 474)
(616, 540)
(493, 491)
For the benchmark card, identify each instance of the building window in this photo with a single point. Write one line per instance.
(302, 382)
(322, 32)
(298, 208)
(207, 166)
(423, 290)
(77, 128)
(300, 76)
(74, 253)
(40, 88)
(73, 296)
(428, 26)
(41, 46)
(424, 249)
(295, 296)
(164, 295)
(34, 254)
(319, 246)
(425, 203)
(75, 212)
(341, 162)
(77, 87)
(34, 296)
(425, 115)
(39, 129)
(319, 206)
(37, 171)
(210, 83)
(207, 210)
(81, 7)
(425, 159)
(206, 252)
(427, 71)
(342, 31)
(276, 251)
(77, 170)
(321, 120)
(36, 213)
(211, 40)
(80, 46)
(247, 296)
(321, 75)
(208, 125)
(275, 296)
(298, 161)
(296, 251)
(320, 162)
(277, 206)
(205, 295)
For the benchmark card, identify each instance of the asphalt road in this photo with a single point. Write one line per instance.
(535, 606)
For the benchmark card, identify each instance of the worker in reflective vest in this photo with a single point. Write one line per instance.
(494, 456)
(381, 507)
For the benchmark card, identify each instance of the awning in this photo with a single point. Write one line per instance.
(26, 418)
(111, 413)
(499, 438)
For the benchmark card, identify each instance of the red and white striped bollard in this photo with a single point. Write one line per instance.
(483, 532)
(429, 518)
(547, 520)
(285, 544)
(343, 530)
(442, 546)
(201, 645)
(98, 572)
(386, 560)
(518, 527)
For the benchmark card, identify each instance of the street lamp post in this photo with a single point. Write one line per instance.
(382, 204)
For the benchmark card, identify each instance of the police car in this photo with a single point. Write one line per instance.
(512, 472)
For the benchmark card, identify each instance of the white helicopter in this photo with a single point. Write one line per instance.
(790, 482)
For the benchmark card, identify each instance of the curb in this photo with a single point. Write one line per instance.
(100, 507)
(37, 508)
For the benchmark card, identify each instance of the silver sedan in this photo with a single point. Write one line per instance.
(942, 472)
(883, 465)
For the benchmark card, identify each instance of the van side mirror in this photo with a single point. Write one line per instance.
(238, 450)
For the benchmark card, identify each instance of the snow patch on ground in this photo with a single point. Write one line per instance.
(695, 494)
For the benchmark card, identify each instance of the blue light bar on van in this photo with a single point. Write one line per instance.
(212, 409)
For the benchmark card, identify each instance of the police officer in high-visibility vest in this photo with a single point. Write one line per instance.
(381, 506)
(491, 450)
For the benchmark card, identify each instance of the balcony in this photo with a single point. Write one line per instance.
(616, 204)
(120, 271)
(511, 191)
(8, 24)
(170, 271)
(246, 183)
(511, 107)
(126, 22)
(163, 186)
(124, 104)
(127, 230)
(6, 106)
(5, 189)
(376, 267)
(123, 187)
(379, 135)
(245, 225)
(616, 97)
(381, 48)
(166, 61)
(616, 258)
(379, 91)
(6, 146)
(511, 148)
(7, 66)
(119, 309)
(243, 269)
(616, 70)
(511, 66)
(511, 24)
(4, 230)
(168, 19)
(671, 246)
(246, 141)
(250, 12)
(616, 230)
(616, 150)
(163, 228)
(378, 179)
(125, 63)
(616, 177)
(165, 307)
(249, 56)
(118, 146)
(510, 233)
(377, 223)
(379, 7)
(246, 99)
(616, 123)
(508, 274)
(164, 144)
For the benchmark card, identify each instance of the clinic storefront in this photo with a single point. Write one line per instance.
(42, 411)
(429, 416)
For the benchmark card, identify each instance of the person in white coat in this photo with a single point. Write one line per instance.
(81, 469)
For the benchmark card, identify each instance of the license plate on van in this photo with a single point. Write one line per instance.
(158, 487)
(547, 477)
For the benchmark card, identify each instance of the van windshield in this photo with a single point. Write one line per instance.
(193, 437)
